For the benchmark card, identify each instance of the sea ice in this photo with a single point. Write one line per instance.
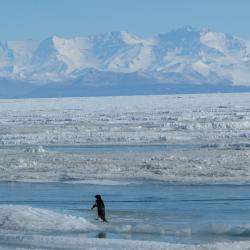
(217, 124)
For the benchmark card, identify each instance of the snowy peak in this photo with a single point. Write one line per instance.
(129, 38)
(184, 41)
(186, 54)
(180, 36)
(45, 49)
(61, 56)
(117, 37)
(222, 42)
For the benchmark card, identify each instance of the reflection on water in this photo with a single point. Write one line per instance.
(101, 235)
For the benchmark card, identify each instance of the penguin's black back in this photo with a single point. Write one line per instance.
(101, 209)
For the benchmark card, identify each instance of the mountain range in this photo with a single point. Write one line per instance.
(184, 60)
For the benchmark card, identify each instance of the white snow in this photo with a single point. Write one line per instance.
(212, 131)
(218, 57)
(68, 242)
(215, 40)
(75, 53)
(201, 67)
(28, 219)
(35, 227)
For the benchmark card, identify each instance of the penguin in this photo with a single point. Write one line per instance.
(100, 208)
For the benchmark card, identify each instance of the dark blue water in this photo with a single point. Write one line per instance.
(153, 206)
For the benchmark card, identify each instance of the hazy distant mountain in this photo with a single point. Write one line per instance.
(122, 63)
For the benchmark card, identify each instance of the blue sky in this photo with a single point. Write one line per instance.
(38, 19)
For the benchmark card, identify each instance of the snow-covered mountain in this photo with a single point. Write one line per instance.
(183, 56)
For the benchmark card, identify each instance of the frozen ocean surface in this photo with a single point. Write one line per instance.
(174, 172)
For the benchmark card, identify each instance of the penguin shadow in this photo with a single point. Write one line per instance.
(101, 235)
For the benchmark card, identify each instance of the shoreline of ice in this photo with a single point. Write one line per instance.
(25, 225)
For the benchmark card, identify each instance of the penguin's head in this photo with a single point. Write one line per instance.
(98, 196)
